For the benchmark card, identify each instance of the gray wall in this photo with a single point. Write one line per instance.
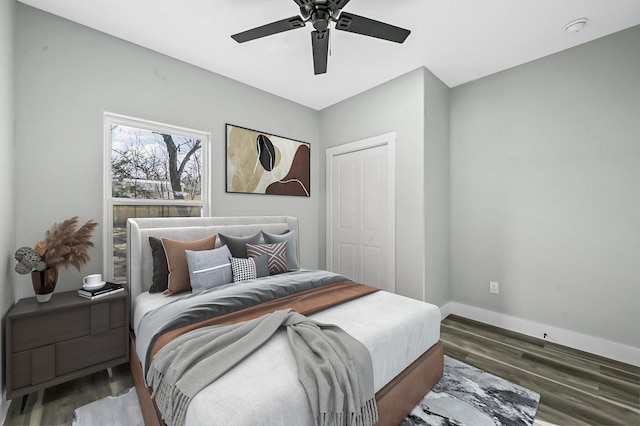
(395, 106)
(400, 105)
(68, 75)
(7, 143)
(545, 190)
(436, 188)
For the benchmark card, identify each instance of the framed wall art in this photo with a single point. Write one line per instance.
(262, 163)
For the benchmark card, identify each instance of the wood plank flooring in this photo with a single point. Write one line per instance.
(576, 388)
(55, 405)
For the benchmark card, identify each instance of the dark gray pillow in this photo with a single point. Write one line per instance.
(262, 265)
(160, 280)
(291, 237)
(209, 268)
(238, 245)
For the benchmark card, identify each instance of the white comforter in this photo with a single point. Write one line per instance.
(264, 388)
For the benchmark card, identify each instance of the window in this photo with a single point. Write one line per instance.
(151, 170)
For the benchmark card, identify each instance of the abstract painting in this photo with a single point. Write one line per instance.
(262, 163)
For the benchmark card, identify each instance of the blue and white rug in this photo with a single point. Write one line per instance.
(467, 396)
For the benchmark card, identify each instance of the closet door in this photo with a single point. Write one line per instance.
(361, 243)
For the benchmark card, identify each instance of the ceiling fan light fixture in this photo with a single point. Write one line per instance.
(576, 25)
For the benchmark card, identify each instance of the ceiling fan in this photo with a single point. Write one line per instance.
(321, 13)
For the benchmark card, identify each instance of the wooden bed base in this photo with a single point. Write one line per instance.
(395, 400)
(407, 389)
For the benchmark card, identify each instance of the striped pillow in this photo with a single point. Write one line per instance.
(276, 255)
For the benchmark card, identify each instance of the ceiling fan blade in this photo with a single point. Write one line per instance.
(369, 27)
(340, 3)
(270, 29)
(320, 46)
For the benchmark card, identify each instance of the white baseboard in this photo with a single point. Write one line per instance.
(446, 310)
(572, 339)
(4, 407)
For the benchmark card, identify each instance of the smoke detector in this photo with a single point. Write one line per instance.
(576, 25)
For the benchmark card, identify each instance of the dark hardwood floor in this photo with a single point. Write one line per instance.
(55, 405)
(576, 388)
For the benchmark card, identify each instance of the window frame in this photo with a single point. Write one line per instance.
(110, 202)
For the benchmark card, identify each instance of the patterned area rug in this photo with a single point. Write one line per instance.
(468, 396)
(465, 396)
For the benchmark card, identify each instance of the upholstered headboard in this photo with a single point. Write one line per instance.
(140, 261)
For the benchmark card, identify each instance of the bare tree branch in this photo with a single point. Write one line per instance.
(185, 160)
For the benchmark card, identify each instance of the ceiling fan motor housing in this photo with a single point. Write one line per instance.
(321, 17)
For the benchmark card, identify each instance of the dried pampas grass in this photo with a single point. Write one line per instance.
(64, 245)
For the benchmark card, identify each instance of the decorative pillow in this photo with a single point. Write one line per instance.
(209, 268)
(262, 265)
(177, 260)
(276, 253)
(249, 269)
(238, 245)
(291, 237)
(243, 269)
(160, 279)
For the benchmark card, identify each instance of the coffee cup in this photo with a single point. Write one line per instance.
(92, 279)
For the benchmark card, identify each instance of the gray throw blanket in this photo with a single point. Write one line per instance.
(334, 368)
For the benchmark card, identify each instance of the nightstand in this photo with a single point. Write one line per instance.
(63, 339)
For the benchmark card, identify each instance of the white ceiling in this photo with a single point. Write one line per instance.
(457, 40)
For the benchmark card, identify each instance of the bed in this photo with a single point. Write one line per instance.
(401, 334)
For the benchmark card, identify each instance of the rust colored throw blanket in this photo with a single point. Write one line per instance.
(306, 303)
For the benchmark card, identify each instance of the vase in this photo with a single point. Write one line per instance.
(44, 282)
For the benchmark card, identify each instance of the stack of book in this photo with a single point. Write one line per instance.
(107, 290)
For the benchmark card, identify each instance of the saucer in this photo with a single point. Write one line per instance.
(94, 286)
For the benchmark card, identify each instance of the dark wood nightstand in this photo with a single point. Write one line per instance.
(63, 339)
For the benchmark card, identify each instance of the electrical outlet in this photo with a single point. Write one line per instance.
(494, 287)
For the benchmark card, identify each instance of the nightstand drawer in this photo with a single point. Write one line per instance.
(82, 352)
(41, 330)
(21, 371)
(42, 364)
(35, 366)
(118, 313)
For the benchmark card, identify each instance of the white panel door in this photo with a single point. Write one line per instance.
(373, 217)
(345, 216)
(361, 247)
